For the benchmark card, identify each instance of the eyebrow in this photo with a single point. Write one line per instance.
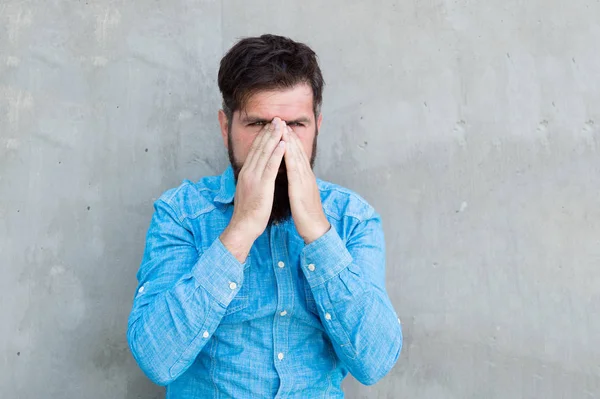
(254, 119)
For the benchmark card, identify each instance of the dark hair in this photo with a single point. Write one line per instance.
(267, 62)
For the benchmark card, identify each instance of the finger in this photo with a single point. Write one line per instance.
(268, 146)
(291, 159)
(300, 160)
(301, 150)
(257, 145)
(272, 166)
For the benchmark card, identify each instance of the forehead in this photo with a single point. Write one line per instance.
(288, 104)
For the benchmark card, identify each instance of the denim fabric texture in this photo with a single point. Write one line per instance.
(290, 322)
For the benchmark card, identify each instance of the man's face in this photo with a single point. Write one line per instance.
(295, 107)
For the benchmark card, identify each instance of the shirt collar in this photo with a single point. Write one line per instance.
(227, 189)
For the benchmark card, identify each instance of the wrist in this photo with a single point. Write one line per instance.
(319, 230)
(237, 241)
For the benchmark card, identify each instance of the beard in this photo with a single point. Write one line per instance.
(281, 210)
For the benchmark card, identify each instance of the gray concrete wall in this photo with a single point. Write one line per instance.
(473, 127)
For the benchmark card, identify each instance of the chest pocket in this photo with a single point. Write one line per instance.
(242, 299)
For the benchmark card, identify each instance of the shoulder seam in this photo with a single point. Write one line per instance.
(181, 217)
(351, 194)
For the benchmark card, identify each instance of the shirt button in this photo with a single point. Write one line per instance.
(327, 316)
(399, 322)
(280, 356)
(233, 286)
(205, 335)
(311, 267)
(141, 289)
(281, 264)
(283, 313)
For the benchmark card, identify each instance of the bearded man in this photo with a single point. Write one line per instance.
(265, 281)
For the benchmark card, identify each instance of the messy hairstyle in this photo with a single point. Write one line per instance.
(268, 62)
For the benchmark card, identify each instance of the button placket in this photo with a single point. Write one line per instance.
(285, 300)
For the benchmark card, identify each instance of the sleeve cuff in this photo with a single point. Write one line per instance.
(324, 258)
(219, 273)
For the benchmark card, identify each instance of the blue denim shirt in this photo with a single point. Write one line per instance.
(290, 322)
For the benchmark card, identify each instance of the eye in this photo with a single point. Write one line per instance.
(257, 124)
(295, 124)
